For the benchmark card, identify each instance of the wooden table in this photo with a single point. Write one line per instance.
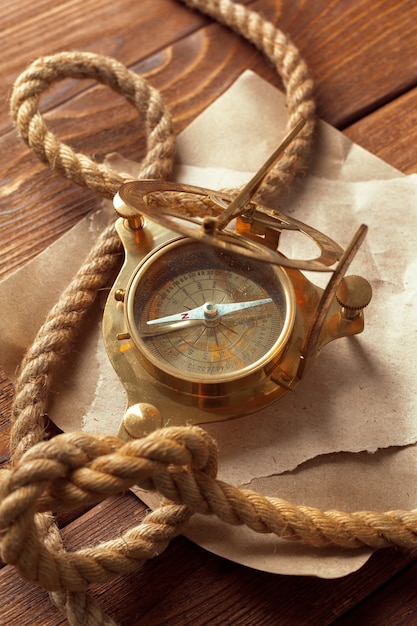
(362, 56)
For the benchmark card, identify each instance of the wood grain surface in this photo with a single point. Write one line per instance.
(362, 56)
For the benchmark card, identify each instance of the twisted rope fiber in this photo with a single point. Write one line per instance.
(62, 325)
(24, 494)
(82, 468)
(180, 463)
(291, 67)
(24, 105)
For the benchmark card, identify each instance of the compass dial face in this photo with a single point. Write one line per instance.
(206, 315)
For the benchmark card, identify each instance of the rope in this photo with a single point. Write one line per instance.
(179, 463)
(24, 106)
(157, 163)
(284, 55)
(62, 325)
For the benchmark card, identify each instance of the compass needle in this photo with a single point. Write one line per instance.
(242, 292)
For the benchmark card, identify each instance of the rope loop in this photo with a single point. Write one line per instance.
(43, 72)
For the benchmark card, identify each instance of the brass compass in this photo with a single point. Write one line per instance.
(207, 319)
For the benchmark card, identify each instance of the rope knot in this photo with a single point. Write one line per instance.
(77, 469)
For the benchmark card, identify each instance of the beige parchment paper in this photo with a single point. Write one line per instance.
(344, 438)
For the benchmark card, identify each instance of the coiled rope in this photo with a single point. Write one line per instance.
(180, 463)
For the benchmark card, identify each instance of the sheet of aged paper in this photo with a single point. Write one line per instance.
(357, 400)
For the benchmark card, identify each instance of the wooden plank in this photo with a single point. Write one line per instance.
(221, 593)
(361, 54)
(391, 132)
(391, 605)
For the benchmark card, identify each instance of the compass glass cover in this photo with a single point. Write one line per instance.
(207, 315)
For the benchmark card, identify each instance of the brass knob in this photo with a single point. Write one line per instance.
(119, 295)
(133, 217)
(353, 295)
(139, 420)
